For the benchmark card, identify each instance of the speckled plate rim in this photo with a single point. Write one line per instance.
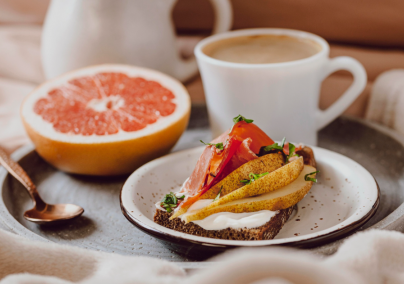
(135, 216)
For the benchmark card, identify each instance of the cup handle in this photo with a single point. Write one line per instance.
(358, 85)
(223, 22)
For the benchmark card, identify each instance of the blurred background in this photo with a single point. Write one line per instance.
(370, 31)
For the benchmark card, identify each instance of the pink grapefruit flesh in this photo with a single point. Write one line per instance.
(106, 119)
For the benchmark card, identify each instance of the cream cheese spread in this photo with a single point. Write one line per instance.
(223, 220)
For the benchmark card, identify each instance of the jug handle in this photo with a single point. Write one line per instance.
(223, 22)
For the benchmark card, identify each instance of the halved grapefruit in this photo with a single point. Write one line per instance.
(106, 119)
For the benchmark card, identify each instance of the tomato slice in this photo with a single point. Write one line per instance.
(214, 165)
(242, 156)
(246, 130)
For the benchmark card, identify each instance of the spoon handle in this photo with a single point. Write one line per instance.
(16, 171)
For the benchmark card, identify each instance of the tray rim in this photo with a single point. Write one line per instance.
(5, 216)
(390, 222)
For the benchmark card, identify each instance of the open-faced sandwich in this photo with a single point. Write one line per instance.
(244, 186)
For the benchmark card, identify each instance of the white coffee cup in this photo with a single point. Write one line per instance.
(282, 98)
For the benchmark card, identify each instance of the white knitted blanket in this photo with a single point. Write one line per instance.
(374, 257)
(386, 104)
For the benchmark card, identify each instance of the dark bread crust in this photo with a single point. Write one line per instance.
(267, 231)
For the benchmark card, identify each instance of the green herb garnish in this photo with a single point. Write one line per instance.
(170, 201)
(242, 118)
(253, 177)
(218, 195)
(291, 152)
(238, 119)
(283, 142)
(217, 145)
(308, 178)
(275, 146)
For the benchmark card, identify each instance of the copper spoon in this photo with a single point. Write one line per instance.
(42, 213)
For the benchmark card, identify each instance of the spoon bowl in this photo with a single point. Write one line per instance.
(41, 213)
(53, 213)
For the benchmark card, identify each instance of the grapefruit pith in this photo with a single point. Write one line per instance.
(106, 119)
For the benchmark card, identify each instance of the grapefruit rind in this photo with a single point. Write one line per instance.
(110, 158)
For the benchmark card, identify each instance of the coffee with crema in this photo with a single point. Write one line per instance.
(262, 49)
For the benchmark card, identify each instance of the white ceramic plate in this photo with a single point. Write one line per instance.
(345, 197)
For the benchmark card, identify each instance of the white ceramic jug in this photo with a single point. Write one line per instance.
(79, 33)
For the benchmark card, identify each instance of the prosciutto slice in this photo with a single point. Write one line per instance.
(243, 155)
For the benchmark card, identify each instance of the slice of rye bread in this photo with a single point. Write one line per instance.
(267, 231)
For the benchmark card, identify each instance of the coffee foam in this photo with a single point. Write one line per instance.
(262, 49)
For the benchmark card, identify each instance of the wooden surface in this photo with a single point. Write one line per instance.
(361, 22)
